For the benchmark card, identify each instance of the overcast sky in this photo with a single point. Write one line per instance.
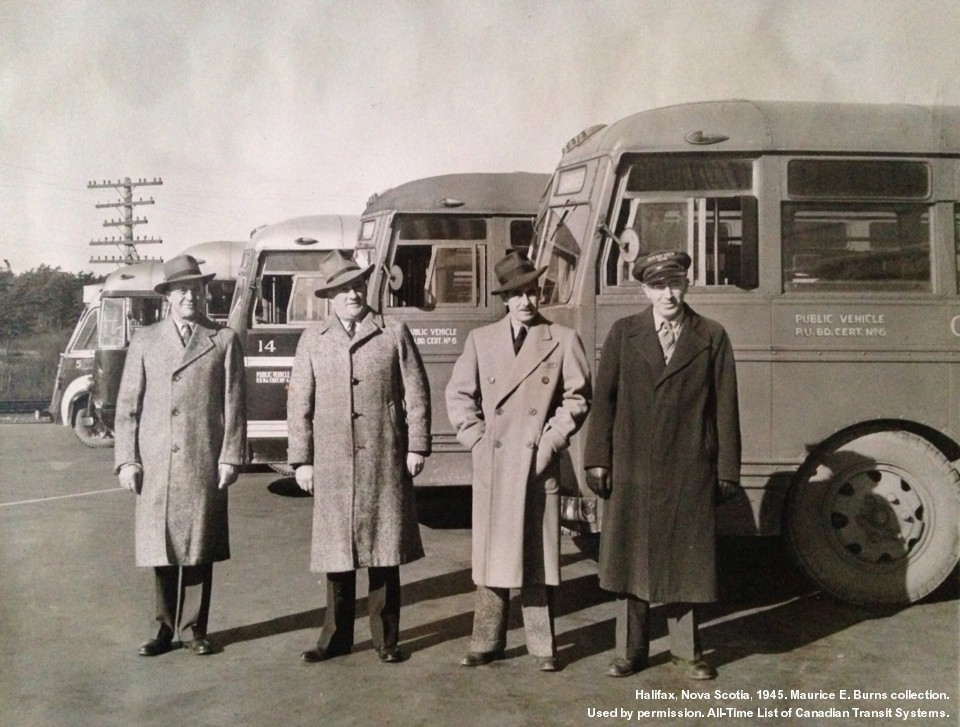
(252, 112)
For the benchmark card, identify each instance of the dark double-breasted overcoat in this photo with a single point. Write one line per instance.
(180, 414)
(355, 408)
(667, 432)
(507, 408)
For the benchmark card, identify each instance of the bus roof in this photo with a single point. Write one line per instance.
(135, 279)
(496, 193)
(781, 126)
(222, 257)
(332, 232)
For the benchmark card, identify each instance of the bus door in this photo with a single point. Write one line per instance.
(442, 268)
(75, 368)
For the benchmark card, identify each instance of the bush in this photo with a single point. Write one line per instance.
(28, 365)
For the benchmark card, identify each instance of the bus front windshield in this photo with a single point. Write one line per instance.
(559, 249)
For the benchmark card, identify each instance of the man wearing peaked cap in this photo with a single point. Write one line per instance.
(517, 394)
(358, 415)
(180, 441)
(662, 447)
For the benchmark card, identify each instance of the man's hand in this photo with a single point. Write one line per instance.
(598, 480)
(228, 475)
(414, 463)
(131, 477)
(304, 475)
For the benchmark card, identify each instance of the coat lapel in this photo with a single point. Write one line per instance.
(645, 340)
(367, 327)
(200, 342)
(539, 344)
(689, 345)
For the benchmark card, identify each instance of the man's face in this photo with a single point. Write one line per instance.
(184, 299)
(667, 296)
(523, 303)
(349, 302)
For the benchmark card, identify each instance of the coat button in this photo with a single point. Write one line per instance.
(497, 444)
(354, 382)
(176, 377)
(530, 445)
(533, 412)
(545, 379)
(355, 415)
(499, 411)
(175, 412)
(175, 448)
(491, 379)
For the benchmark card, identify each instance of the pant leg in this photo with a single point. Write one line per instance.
(196, 586)
(490, 620)
(384, 606)
(684, 631)
(633, 629)
(537, 602)
(336, 635)
(166, 579)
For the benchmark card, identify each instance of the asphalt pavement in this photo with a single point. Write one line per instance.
(74, 609)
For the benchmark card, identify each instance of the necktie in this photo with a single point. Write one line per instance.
(518, 340)
(668, 340)
(351, 328)
(185, 333)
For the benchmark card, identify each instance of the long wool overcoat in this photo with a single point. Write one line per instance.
(506, 408)
(355, 408)
(180, 414)
(668, 432)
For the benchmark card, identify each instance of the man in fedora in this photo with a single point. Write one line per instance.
(358, 415)
(517, 394)
(662, 447)
(180, 442)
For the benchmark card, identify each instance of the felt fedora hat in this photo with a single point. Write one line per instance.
(339, 269)
(181, 269)
(515, 271)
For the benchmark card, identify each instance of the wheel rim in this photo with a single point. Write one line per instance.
(876, 514)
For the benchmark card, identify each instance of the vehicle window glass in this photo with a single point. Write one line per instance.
(285, 286)
(857, 179)
(521, 235)
(112, 323)
(560, 252)
(856, 247)
(441, 227)
(144, 312)
(440, 274)
(675, 174)
(219, 293)
(86, 339)
(304, 305)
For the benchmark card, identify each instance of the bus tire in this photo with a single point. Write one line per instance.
(282, 469)
(95, 436)
(873, 517)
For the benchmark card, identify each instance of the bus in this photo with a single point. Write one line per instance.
(272, 304)
(128, 301)
(435, 242)
(75, 368)
(825, 237)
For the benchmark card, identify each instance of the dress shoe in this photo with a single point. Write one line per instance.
(697, 669)
(479, 658)
(621, 667)
(155, 647)
(200, 647)
(313, 656)
(391, 654)
(546, 663)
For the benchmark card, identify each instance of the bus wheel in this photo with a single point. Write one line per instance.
(282, 469)
(95, 434)
(873, 517)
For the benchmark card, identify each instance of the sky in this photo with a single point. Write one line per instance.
(252, 112)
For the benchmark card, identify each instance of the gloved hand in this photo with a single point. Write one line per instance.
(727, 490)
(304, 475)
(131, 477)
(598, 480)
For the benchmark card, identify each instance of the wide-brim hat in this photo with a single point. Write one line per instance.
(515, 271)
(181, 269)
(659, 266)
(339, 269)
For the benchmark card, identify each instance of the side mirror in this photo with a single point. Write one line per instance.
(394, 277)
(629, 245)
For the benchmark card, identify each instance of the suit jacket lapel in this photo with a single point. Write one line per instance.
(535, 349)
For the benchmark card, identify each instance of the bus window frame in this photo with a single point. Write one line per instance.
(479, 259)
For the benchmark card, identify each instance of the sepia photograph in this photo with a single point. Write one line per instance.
(515, 362)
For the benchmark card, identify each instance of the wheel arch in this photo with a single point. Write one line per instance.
(78, 391)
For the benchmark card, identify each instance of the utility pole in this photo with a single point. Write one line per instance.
(127, 242)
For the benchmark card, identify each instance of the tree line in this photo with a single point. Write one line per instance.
(40, 301)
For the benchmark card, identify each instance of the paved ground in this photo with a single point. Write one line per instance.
(73, 609)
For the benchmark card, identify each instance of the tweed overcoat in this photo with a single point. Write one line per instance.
(505, 408)
(667, 432)
(355, 408)
(180, 414)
